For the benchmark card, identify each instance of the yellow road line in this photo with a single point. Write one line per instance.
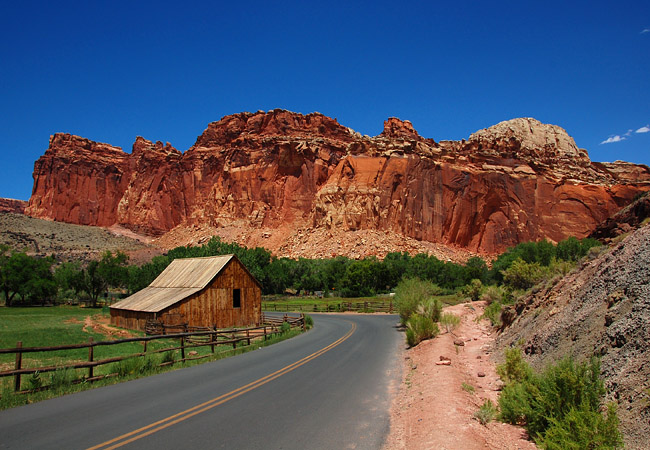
(184, 415)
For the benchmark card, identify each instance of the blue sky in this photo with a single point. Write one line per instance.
(111, 71)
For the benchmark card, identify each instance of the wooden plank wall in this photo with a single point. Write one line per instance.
(133, 320)
(213, 306)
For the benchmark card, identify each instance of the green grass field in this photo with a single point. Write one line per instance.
(66, 325)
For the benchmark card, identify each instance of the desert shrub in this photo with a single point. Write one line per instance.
(564, 399)
(309, 321)
(493, 294)
(493, 313)
(410, 293)
(523, 275)
(285, 327)
(486, 413)
(449, 321)
(583, 429)
(514, 369)
(431, 308)
(473, 290)
(419, 328)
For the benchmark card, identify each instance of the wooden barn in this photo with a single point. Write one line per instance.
(214, 291)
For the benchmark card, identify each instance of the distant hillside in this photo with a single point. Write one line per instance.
(67, 241)
(600, 308)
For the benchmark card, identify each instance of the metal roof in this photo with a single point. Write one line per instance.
(182, 278)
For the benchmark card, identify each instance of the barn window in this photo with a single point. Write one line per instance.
(236, 298)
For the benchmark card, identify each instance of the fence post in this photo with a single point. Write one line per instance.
(19, 363)
(265, 332)
(234, 342)
(90, 356)
(302, 316)
(390, 309)
(248, 336)
(183, 348)
(213, 337)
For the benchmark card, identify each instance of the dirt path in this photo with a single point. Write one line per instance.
(432, 410)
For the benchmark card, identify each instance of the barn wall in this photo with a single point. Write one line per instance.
(213, 305)
(133, 320)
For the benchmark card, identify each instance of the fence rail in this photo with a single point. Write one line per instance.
(386, 307)
(193, 337)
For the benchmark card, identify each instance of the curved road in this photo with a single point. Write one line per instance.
(327, 388)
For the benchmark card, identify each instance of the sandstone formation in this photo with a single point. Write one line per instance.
(277, 173)
(10, 205)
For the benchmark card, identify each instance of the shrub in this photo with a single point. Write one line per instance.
(560, 406)
(493, 294)
(449, 321)
(493, 313)
(514, 369)
(410, 293)
(473, 290)
(431, 308)
(419, 328)
(523, 275)
(285, 327)
(583, 429)
(309, 322)
(486, 413)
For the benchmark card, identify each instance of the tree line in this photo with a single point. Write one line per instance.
(27, 280)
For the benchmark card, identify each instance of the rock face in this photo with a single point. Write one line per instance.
(10, 205)
(601, 308)
(281, 172)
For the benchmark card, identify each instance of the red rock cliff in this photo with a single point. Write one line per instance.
(516, 181)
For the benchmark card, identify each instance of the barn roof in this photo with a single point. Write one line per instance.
(182, 278)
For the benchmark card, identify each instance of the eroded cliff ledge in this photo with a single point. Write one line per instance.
(281, 172)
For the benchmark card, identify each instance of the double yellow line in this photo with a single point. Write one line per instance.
(198, 409)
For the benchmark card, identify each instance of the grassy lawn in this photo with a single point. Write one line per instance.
(65, 325)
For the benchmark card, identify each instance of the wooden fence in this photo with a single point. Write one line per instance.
(386, 307)
(192, 338)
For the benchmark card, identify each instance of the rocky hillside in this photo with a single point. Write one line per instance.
(601, 308)
(273, 176)
(68, 242)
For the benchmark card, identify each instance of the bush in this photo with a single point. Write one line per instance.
(410, 293)
(493, 314)
(523, 275)
(514, 369)
(560, 406)
(583, 429)
(473, 290)
(285, 327)
(309, 322)
(431, 308)
(449, 321)
(486, 413)
(493, 294)
(419, 328)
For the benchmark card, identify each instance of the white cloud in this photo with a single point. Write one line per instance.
(643, 129)
(629, 132)
(612, 139)
(645, 30)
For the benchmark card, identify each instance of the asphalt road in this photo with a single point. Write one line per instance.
(325, 389)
